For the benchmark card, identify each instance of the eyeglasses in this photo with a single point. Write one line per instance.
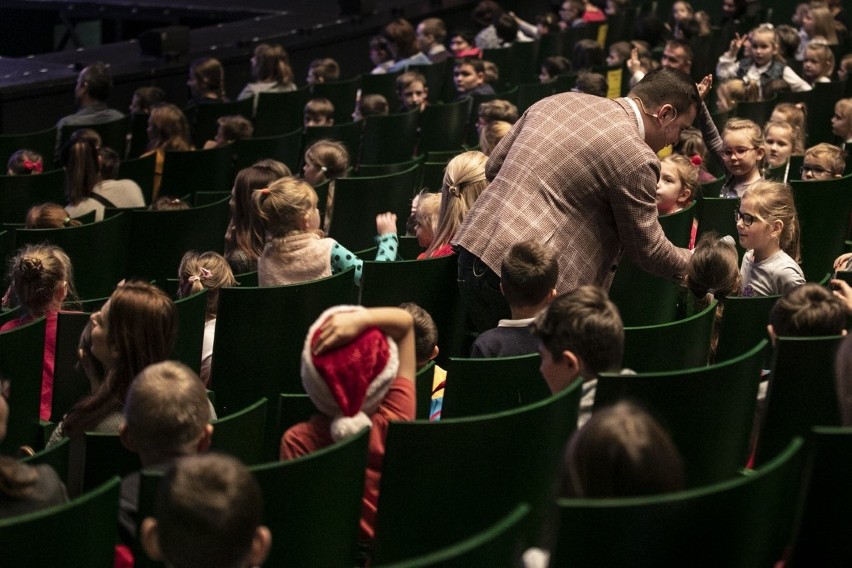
(815, 170)
(745, 218)
(738, 152)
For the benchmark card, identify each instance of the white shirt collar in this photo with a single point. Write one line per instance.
(635, 108)
(525, 322)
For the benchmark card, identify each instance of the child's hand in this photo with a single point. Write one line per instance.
(386, 223)
(633, 64)
(210, 144)
(843, 291)
(737, 44)
(842, 260)
(705, 85)
(339, 329)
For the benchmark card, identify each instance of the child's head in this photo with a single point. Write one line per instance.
(24, 163)
(271, 63)
(492, 73)
(426, 218)
(208, 513)
(677, 185)
(169, 203)
(809, 310)
(506, 28)
(206, 271)
(401, 37)
(781, 140)
(554, 66)
(619, 52)
(841, 122)
(425, 333)
(714, 267)
(819, 23)
(371, 105)
(462, 40)
(319, 112)
(733, 91)
(468, 74)
(587, 53)
(288, 205)
(767, 219)
(109, 161)
(412, 90)
(324, 160)
(49, 216)
(775, 87)
(691, 144)
(764, 44)
(379, 50)
(207, 78)
(168, 128)
(788, 41)
(622, 451)
(82, 169)
(591, 84)
(843, 70)
(818, 62)
(491, 134)
(144, 98)
(233, 128)
(743, 151)
(682, 11)
(464, 181)
(794, 113)
(323, 71)
(528, 274)
(41, 278)
(497, 109)
(166, 414)
(580, 335)
(823, 161)
(247, 180)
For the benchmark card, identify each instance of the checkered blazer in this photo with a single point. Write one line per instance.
(574, 173)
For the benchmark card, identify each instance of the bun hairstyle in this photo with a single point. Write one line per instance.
(25, 163)
(37, 273)
(280, 206)
(714, 268)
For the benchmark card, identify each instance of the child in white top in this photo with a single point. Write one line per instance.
(296, 250)
(781, 140)
(768, 228)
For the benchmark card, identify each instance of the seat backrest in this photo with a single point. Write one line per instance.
(285, 147)
(192, 314)
(312, 504)
(98, 252)
(206, 116)
(113, 134)
(423, 383)
(82, 533)
(21, 361)
(342, 95)
(70, 382)
(497, 545)
(758, 111)
(826, 516)
(292, 409)
(19, 193)
(531, 93)
(57, 456)
(436, 75)
(819, 127)
(478, 468)
(140, 170)
(708, 411)
(443, 126)
(522, 57)
(41, 141)
(801, 392)
(187, 172)
(348, 134)
(138, 134)
(743, 323)
(360, 199)
(738, 523)
(105, 456)
(686, 341)
(823, 209)
(242, 433)
(381, 84)
(488, 385)
(159, 239)
(279, 113)
(431, 284)
(389, 138)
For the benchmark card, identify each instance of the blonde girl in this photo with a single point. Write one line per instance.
(817, 24)
(841, 122)
(464, 181)
(42, 281)
(326, 160)
(796, 114)
(677, 185)
(763, 51)
(743, 155)
(734, 91)
(768, 228)
(491, 134)
(295, 249)
(206, 271)
(781, 140)
(426, 219)
(818, 63)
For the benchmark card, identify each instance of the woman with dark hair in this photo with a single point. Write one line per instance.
(168, 129)
(270, 68)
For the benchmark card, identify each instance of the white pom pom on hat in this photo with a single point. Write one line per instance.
(349, 382)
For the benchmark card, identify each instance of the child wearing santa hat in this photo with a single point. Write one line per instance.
(358, 367)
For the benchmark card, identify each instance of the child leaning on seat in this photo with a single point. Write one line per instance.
(295, 249)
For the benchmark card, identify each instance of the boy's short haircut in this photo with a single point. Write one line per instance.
(498, 109)
(318, 109)
(435, 27)
(166, 408)
(235, 127)
(408, 78)
(373, 104)
(808, 311)
(327, 69)
(477, 64)
(586, 323)
(592, 84)
(425, 331)
(833, 154)
(207, 510)
(528, 273)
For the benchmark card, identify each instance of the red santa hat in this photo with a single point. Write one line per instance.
(349, 382)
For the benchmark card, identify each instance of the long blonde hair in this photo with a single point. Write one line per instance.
(774, 202)
(464, 181)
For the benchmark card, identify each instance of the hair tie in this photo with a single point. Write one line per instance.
(324, 169)
(454, 190)
(66, 221)
(33, 166)
(696, 160)
(264, 191)
(205, 274)
(728, 240)
(194, 278)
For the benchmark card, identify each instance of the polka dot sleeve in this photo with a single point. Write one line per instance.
(342, 258)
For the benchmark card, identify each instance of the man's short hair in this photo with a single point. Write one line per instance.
(586, 323)
(98, 81)
(808, 311)
(528, 273)
(667, 86)
(208, 509)
(425, 331)
(166, 409)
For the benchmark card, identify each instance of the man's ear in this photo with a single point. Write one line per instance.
(261, 544)
(150, 539)
(551, 295)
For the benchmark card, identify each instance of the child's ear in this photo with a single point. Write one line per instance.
(261, 543)
(761, 152)
(206, 439)
(435, 352)
(150, 539)
(685, 195)
(777, 226)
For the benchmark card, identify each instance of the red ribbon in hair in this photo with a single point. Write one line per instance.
(33, 166)
(696, 160)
